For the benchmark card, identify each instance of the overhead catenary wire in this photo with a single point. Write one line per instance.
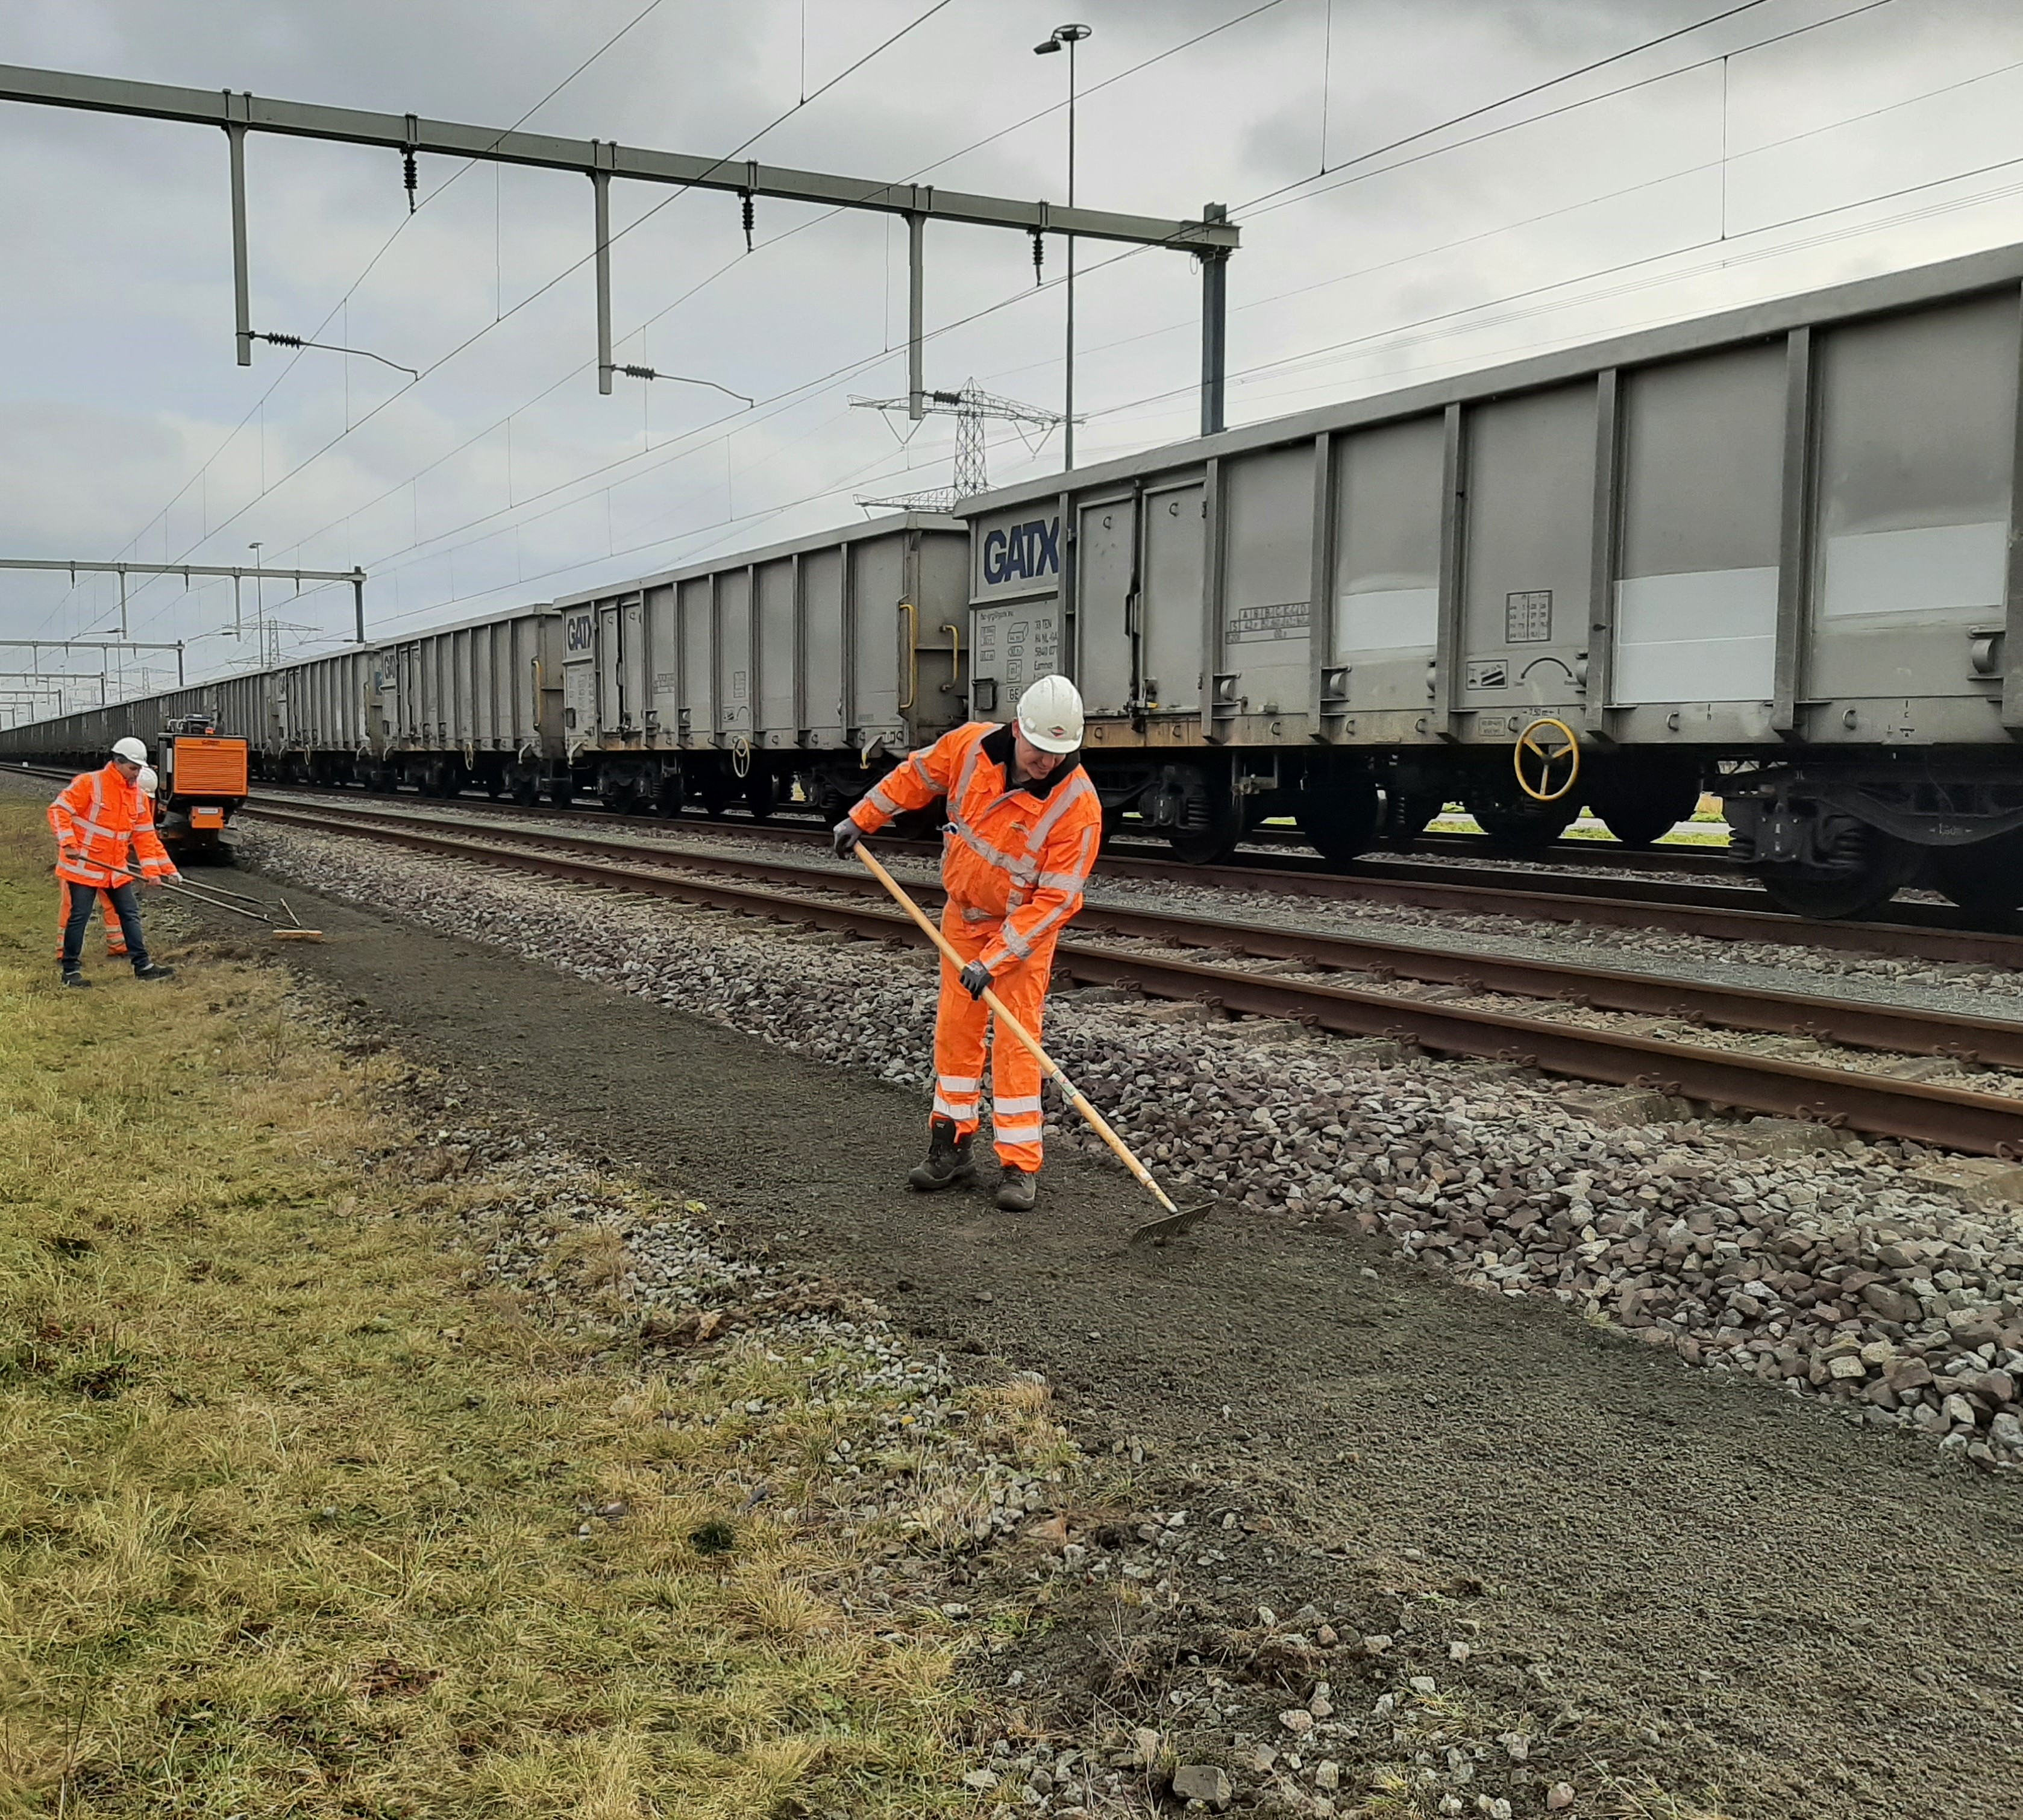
(1197, 38)
(1488, 108)
(1157, 57)
(323, 450)
(1617, 195)
(1385, 337)
(1272, 200)
(1395, 331)
(259, 405)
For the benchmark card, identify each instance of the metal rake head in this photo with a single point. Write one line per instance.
(1171, 1225)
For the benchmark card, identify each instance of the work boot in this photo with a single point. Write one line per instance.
(1019, 1189)
(75, 979)
(153, 971)
(948, 1158)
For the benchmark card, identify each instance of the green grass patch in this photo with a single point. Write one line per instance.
(295, 1520)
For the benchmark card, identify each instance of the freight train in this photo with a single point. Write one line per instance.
(1772, 553)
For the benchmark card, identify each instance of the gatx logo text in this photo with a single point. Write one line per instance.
(1023, 553)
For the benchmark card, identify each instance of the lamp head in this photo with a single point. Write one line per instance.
(1063, 35)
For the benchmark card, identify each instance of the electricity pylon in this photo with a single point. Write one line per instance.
(972, 408)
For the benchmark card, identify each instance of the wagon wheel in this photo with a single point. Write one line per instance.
(1547, 760)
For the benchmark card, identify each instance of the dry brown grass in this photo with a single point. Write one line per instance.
(288, 1518)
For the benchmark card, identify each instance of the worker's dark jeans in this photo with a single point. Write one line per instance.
(124, 900)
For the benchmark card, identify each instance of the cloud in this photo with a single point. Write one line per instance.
(126, 425)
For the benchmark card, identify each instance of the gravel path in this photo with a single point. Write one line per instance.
(1451, 1538)
(1863, 1276)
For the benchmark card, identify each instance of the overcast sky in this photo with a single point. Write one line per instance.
(1728, 174)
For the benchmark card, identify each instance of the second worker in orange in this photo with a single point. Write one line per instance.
(1024, 827)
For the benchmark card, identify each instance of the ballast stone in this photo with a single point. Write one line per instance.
(1202, 1782)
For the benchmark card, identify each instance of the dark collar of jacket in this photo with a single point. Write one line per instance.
(1001, 749)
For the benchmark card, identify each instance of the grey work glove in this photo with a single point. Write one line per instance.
(847, 835)
(976, 978)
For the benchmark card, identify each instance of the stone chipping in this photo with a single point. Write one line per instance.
(1879, 1278)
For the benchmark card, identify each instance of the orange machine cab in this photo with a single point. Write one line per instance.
(204, 780)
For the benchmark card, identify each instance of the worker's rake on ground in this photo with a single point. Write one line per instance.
(216, 895)
(1176, 1219)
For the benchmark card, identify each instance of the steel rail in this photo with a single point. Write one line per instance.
(1856, 1024)
(1565, 854)
(1601, 903)
(1949, 1117)
(1717, 913)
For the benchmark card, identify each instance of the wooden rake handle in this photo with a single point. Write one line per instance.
(1048, 1067)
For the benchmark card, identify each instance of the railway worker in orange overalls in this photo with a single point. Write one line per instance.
(115, 936)
(1023, 828)
(101, 823)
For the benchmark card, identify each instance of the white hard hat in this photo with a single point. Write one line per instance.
(1050, 714)
(147, 780)
(130, 749)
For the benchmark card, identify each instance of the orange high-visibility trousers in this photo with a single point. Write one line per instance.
(961, 1030)
(115, 936)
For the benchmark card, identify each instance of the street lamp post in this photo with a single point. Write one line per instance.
(1071, 36)
(259, 604)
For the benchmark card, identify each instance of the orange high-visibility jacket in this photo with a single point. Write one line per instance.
(97, 817)
(1019, 856)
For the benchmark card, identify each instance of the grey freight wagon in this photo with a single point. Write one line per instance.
(83, 740)
(474, 706)
(1769, 552)
(815, 663)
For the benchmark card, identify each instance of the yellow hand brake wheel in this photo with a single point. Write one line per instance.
(1552, 747)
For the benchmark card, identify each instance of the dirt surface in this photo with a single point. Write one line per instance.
(1699, 1581)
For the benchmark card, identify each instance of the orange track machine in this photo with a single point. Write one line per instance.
(202, 783)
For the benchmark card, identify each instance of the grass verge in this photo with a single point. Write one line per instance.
(302, 1512)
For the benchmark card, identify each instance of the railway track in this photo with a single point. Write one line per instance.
(1341, 986)
(1529, 890)
(1719, 912)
